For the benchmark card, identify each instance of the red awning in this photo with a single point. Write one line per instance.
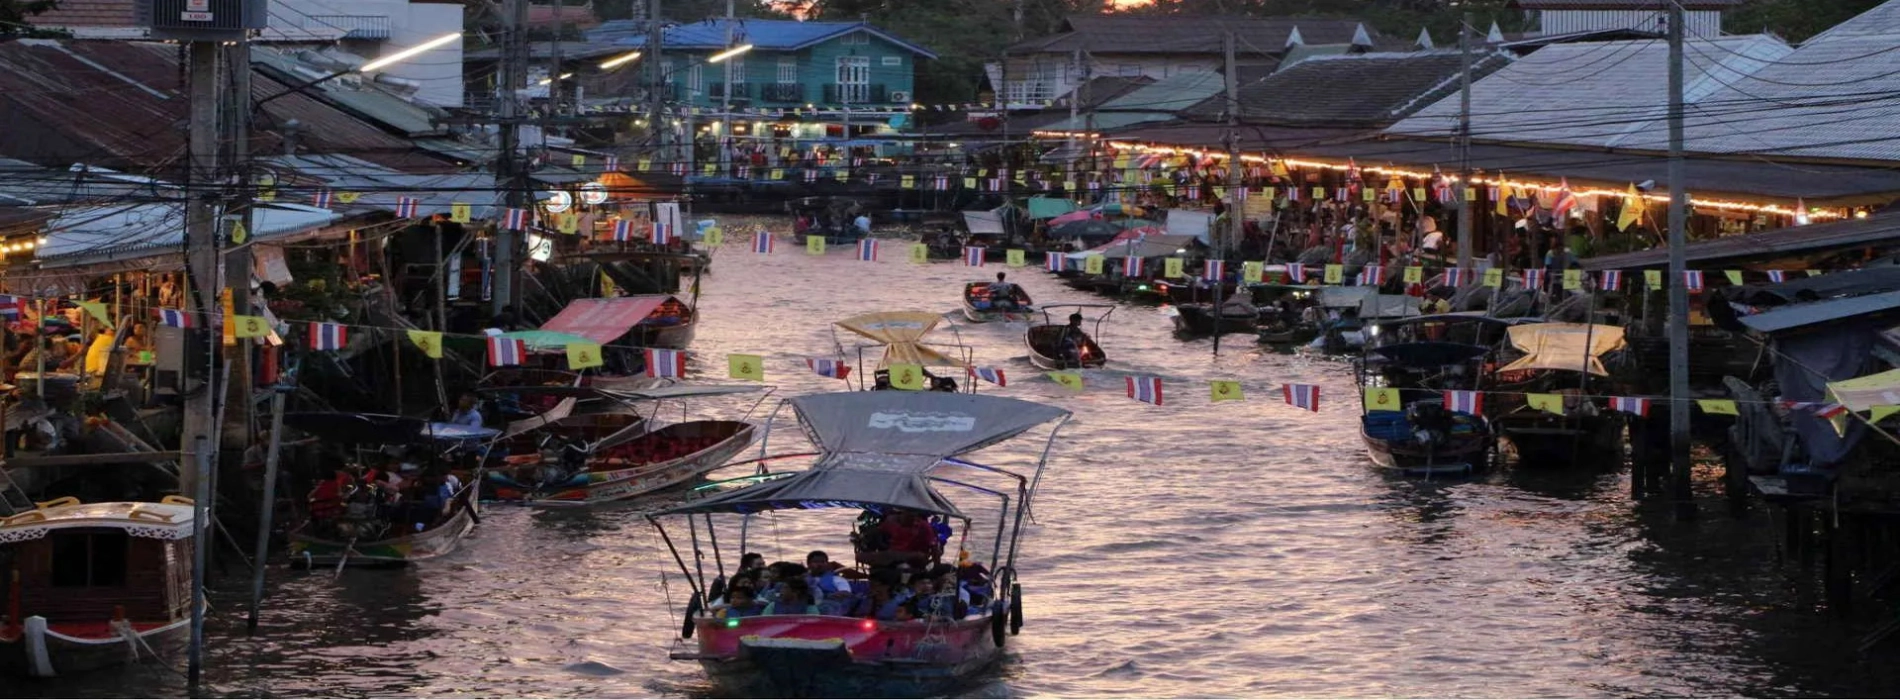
(604, 320)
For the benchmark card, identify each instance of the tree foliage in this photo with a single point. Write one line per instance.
(16, 15)
(1794, 20)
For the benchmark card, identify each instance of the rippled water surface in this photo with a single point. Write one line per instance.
(1187, 550)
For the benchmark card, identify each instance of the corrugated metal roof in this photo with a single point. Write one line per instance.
(91, 235)
(1882, 20)
(1795, 240)
(1364, 90)
(118, 19)
(1150, 103)
(1185, 34)
(1838, 97)
(764, 34)
(1798, 316)
(380, 187)
(1621, 4)
(1600, 95)
(361, 98)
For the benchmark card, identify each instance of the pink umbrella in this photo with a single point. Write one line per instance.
(1077, 215)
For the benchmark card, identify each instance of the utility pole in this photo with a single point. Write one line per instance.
(1075, 104)
(237, 262)
(1235, 220)
(658, 84)
(1465, 210)
(509, 170)
(724, 141)
(1678, 294)
(199, 436)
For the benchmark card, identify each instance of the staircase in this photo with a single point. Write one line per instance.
(13, 500)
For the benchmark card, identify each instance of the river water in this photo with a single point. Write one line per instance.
(1194, 549)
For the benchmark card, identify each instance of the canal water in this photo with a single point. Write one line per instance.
(1193, 549)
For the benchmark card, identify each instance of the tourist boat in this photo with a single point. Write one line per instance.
(1568, 360)
(560, 463)
(1047, 342)
(95, 585)
(977, 305)
(1203, 319)
(881, 452)
(363, 531)
(1407, 425)
(647, 321)
(900, 337)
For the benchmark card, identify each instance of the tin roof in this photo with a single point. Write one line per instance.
(1621, 4)
(1382, 87)
(1185, 34)
(113, 233)
(1795, 240)
(1154, 102)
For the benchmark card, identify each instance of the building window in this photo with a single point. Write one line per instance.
(893, 60)
(859, 38)
(693, 78)
(788, 70)
(83, 561)
(738, 69)
(666, 71)
(854, 79)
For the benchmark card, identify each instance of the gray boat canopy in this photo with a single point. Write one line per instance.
(878, 449)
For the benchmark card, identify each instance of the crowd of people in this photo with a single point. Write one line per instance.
(900, 577)
(370, 503)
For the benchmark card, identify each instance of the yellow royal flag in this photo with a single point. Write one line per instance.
(97, 310)
(249, 326)
(1069, 380)
(1548, 403)
(1503, 205)
(1652, 279)
(1494, 277)
(1718, 407)
(1573, 280)
(815, 245)
(1252, 272)
(583, 356)
(645, 163)
(1632, 209)
(568, 223)
(1319, 194)
(1223, 390)
(1383, 399)
(429, 342)
(348, 197)
(1174, 268)
(238, 233)
(777, 173)
(919, 253)
(746, 367)
(1395, 186)
(1876, 413)
(460, 212)
(1014, 258)
(1092, 264)
(841, 175)
(1413, 274)
(1335, 273)
(710, 169)
(267, 195)
(908, 182)
(969, 183)
(1368, 195)
(1734, 277)
(1278, 168)
(1471, 194)
(229, 334)
(907, 377)
(1418, 194)
(579, 160)
(607, 285)
(715, 236)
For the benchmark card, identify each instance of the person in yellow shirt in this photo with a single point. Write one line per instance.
(99, 352)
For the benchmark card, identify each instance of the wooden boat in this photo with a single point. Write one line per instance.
(979, 308)
(1201, 319)
(1407, 425)
(814, 654)
(560, 463)
(352, 521)
(95, 585)
(1570, 360)
(671, 326)
(900, 337)
(1048, 341)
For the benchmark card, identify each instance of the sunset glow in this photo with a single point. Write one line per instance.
(1125, 4)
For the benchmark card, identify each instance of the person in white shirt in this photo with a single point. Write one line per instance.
(466, 413)
(863, 223)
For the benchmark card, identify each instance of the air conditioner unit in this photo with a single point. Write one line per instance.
(201, 20)
(900, 95)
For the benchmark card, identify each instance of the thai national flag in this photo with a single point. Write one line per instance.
(662, 232)
(1145, 389)
(995, 376)
(9, 307)
(1296, 272)
(973, 256)
(328, 336)
(506, 352)
(1612, 280)
(867, 250)
(623, 230)
(1565, 201)
(942, 183)
(1777, 276)
(835, 369)
(515, 219)
(1301, 396)
(1829, 410)
(1372, 275)
(1052, 262)
(665, 363)
(1131, 267)
(1214, 270)
(174, 318)
(1692, 279)
(1466, 402)
(406, 207)
(811, 176)
(1454, 276)
(321, 199)
(612, 165)
(762, 243)
(1534, 278)
(1193, 192)
(1630, 404)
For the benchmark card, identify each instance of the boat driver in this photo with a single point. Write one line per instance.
(1002, 294)
(1072, 337)
(907, 537)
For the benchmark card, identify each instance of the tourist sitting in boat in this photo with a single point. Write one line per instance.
(751, 563)
(740, 603)
(1002, 294)
(794, 598)
(833, 592)
(885, 598)
(900, 537)
(930, 603)
(466, 412)
(1073, 339)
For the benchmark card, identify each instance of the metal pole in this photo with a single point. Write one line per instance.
(1234, 223)
(509, 173)
(270, 504)
(1464, 145)
(1678, 294)
(724, 140)
(656, 69)
(200, 526)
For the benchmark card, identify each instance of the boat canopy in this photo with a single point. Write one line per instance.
(902, 334)
(1344, 297)
(546, 340)
(379, 429)
(605, 320)
(166, 520)
(1864, 393)
(1426, 354)
(878, 448)
(1573, 347)
(1388, 306)
(558, 413)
